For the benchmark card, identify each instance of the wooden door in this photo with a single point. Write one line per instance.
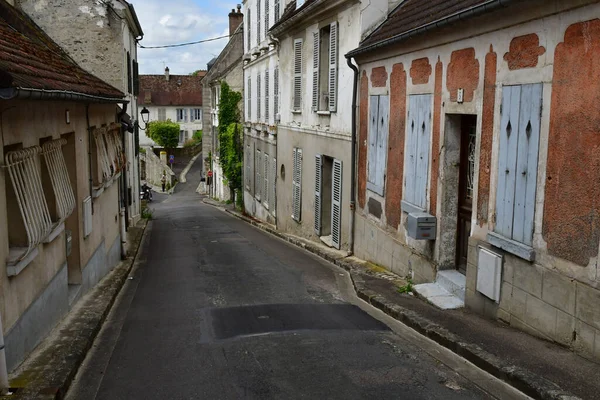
(465, 189)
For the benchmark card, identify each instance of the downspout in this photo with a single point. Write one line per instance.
(123, 211)
(4, 388)
(89, 128)
(353, 157)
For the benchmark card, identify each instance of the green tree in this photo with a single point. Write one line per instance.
(230, 138)
(164, 133)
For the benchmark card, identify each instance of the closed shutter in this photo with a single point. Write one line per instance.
(136, 78)
(517, 162)
(266, 17)
(258, 100)
(274, 186)
(318, 188)
(267, 96)
(417, 150)
(276, 91)
(372, 149)
(257, 169)
(185, 115)
(249, 99)
(249, 31)
(315, 89)
(336, 205)
(266, 199)
(297, 185)
(247, 164)
(333, 66)
(297, 74)
(277, 10)
(258, 22)
(129, 80)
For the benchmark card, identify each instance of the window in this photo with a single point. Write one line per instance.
(277, 10)
(266, 191)
(136, 79)
(248, 161)
(182, 115)
(297, 92)
(258, 99)
(110, 157)
(249, 30)
(378, 137)
(416, 156)
(273, 185)
(276, 91)
(267, 96)
(517, 162)
(63, 198)
(249, 99)
(266, 18)
(162, 114)
(129, 78)
(297, 185)
(258, 22)
(181, 137)
(328, 198)
(258, 171)
(195, 114)
(25, 194)
(324, 96)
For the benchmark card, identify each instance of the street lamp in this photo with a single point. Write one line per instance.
(145, 117)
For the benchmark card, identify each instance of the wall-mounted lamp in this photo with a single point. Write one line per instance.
(145, 118)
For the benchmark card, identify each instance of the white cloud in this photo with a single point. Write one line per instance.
(179, 21)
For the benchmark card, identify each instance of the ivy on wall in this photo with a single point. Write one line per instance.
(230, 138)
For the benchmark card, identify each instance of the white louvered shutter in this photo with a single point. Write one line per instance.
(257, 171)
(336, 205)
(267, 201)
(318, 198)
(297, 185)
(315, 88)
(277, 10)
(294, 179)
(274, 186)
(266, 17)
(267, 96)
(297, 74)
(258, 22)
(247, 163)
(276, 91)
(249, 31)
(258, 99)
(249, 98)
(333, 66)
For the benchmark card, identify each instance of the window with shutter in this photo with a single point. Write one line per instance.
(318, 188)
(297, 93)
(336, 205)
(277, 10)
(258, 171)
(517, 162)
(136, 79)
(316, 66)
(297, 185)
(267, 96)
(333, 55)
(249, 99)
(378, 138)
(266, 199)
(249, 30)
(276, 91)
(274, 186)
(258, 17)
(416, 156)
(129, 80)
(248, 159)
(258, 99)
(266, 17)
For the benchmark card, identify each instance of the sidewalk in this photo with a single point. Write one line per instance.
(538, 368)
(47, 373)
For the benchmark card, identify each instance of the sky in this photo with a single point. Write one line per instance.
(177, 21)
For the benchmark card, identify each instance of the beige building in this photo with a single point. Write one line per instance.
(59, 208)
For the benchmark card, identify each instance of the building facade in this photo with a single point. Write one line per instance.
(262, 108)
(478, 156)
(173, 97)
(314, 133)
(62, 157)
(227, 67)
(108, 33)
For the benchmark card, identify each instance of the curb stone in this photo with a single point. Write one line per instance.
(48, 374)
(528, 383)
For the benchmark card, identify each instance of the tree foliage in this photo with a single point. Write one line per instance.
(230, 137)
(164, 133)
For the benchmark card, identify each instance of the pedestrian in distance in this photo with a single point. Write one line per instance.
(163, 180)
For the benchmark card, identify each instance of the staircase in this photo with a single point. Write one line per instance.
(447, 292)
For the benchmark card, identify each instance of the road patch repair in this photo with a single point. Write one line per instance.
(529, 364)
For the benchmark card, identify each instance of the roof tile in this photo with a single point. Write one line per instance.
(179, 90)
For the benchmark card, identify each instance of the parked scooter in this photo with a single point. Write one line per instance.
(146, 193)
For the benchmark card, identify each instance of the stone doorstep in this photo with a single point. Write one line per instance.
(522, 379)
(446, 293)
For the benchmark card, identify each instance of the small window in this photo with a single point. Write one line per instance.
(162, 114)
(197, 113)
(181, 115)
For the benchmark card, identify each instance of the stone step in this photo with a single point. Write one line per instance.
(438, 296)
(453, 281)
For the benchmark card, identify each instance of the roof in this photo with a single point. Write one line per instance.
(291, 10)
(179, 90)
(413, 14)
(31, 61)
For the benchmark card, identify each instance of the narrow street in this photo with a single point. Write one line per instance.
(217, 309)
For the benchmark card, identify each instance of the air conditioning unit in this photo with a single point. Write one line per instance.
(87, 216)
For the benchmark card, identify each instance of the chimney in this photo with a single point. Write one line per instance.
(235, 19)
(167, 73)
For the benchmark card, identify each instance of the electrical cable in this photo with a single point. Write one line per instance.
(188, 43)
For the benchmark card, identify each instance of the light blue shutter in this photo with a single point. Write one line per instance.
(333, 66)
(410, 154)
(424, 136)
(318, 199)
(336, 205)
(383, 123)
(372, 150)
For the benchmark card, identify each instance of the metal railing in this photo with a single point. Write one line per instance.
(59, 176)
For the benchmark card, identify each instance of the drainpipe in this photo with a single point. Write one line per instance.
(353, 157)
(3, 370)
(123, 212)
(89, 129)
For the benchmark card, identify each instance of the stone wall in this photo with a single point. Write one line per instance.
(153, 167)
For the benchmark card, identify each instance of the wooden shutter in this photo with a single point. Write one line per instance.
(297, 74)
(249, 99)
(383, 123)
(336, 205)
(315, 89)
(129, 80)
(136, 78)
(318, 188)
(276, 91)
(247, 163)
(258, 22)
(249, 31)
(274, 186)
(424, 144)
(258, 100)
(266, 199)
(257, 170)
(297, 185)
(517, 162)
(378, 128)
(267, 96)
(410, 157)
(333, 66)
(266, 17)
(277, 10)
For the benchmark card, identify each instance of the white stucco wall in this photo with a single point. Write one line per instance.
(171, 113)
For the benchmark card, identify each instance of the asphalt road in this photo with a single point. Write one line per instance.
(217, 309)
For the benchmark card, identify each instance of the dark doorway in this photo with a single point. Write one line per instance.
(466, 185)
